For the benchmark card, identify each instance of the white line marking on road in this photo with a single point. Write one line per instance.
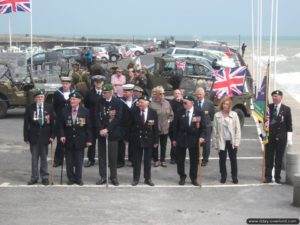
(4, 184)
(249, 125)
(141, 186)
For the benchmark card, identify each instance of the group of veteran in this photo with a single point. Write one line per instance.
(109, 119)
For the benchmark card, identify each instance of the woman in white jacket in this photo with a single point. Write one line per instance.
(226, 137)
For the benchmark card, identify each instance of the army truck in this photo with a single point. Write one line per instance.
(189, 74)
(17, 83)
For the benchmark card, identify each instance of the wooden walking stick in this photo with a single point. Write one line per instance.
(52, 163)
(106, 151)
(200, 165)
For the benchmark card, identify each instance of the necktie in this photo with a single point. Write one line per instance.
(74, 115)
(188, 118)
(274, 116)
(41, 118)
(143, 116)
(200, 104)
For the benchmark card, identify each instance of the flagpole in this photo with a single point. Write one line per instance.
(253, 49)
(275, 47)
(9, 30)
(271, 33)
(31, 47)
(257, 44)
(260, 39)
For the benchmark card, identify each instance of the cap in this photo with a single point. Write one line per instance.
(277, 92)
(128, 87)
(189, 97)
(107, 87)
(75, 94)
(144, 97)
(137, 88)
(65, 79)
(38, 92)
(98, 78)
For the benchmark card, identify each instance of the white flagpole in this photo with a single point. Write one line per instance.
(9, 31)
(271, 36)
(275, 47)
(31, 47)
(260, 39)
(257, 45)
(252, 23)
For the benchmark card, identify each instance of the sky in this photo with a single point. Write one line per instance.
(194, 18)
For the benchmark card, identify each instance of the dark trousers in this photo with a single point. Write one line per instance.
(112, 157)
(233, 161)
(173, 149)
(59, 152)
(74, 162)
(163, 138)
(39, 151)
(206, 145)
(122, 151)
(277, 150)
(194, 154)
(137, 161)
(92, 149)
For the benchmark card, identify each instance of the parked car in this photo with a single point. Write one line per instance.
(113, 52)
(137, 50)
(98, 52)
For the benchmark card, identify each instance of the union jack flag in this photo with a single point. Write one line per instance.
(229, 81)
(10, 6)
(180, 65)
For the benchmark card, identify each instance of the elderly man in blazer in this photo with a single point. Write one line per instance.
(144, 131)
(207, 107)
(189, 130)
(280, 134)
(39, 131)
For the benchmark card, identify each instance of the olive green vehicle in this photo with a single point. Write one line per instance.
(16, 88)
(196, 73)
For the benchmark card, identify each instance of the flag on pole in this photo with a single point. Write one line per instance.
(261, 106)
(11, 6)
(229, 81)
(180, 65)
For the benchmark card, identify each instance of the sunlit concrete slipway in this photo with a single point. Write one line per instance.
(166, 203)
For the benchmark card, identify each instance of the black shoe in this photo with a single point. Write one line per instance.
(172, 161)
(203, 163)
(149, 182)
(195, 183)
(223, 180)
(32, 182)
(101, 181)
(56, 164)
(268, 180)
(80, 183)
(129, 163)
(115, 182)
(45, 182)
(235, 180)
(278, 181)
(70, 182)
(89, 164)
(163, 164)
(182, 181)
(134, 183)
(120, 165)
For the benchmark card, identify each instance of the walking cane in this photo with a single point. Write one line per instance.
(62, 164)
(52, 162)
(200, 165)
(106, 151)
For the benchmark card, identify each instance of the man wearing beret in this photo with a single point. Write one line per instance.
(189, 130)
(90, 101)
(108, 119)
(75, 134)
(280, 134)
(39, 131)
(144, 131)
(61, 100)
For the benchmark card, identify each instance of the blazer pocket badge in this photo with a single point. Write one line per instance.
(81, 122)
(112, 114)
(150, 122)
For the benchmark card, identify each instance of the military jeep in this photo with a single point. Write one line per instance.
(189, 74)
(17, 84)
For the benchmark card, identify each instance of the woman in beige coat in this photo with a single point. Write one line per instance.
(165, 116)
(227, 137)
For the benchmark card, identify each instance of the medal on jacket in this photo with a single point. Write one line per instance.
(35, 116)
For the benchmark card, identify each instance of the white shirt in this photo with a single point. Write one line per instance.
(98, 91)
(278, 108)
(66, 95)
(145, 114)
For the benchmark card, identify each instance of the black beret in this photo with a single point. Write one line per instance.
(277, 92)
